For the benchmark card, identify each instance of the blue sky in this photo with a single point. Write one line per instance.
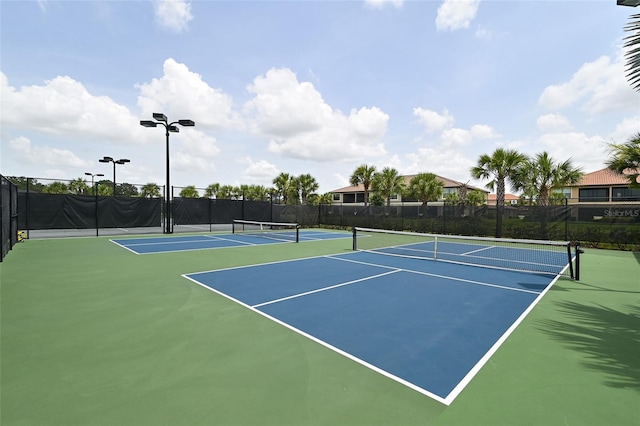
(315, 87)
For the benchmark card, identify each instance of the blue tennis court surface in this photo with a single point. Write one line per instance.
(429, 325)
(149, 245)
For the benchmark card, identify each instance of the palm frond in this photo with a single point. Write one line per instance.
(632, 44)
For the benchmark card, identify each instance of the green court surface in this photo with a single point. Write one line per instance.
(92, 334)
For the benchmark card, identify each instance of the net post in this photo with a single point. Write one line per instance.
(355, 239)
(297, 233)
(579, 251)
(435, 248)
(571, 273)
(233, 227)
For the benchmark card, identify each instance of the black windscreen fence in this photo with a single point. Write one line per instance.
(8, 216)
(594, 224)
(64, 211)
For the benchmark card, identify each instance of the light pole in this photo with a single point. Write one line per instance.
(111, 160)
(92, 175)
(161, 119)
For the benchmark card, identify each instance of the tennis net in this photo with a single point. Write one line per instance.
(548, 257)
(285, 232)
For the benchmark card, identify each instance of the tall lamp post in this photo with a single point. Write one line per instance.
(161, 119)
(111, 160)
(92, 176)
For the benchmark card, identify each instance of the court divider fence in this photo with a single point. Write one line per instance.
(603, 225)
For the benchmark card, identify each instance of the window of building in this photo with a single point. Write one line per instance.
(349, 198)
(622, 193)
(336, 197)
(593, 195)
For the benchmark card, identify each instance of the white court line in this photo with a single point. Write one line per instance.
(326, 288)
(477, 250)
(447, 277)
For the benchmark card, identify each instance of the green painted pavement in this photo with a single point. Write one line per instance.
(92, 334)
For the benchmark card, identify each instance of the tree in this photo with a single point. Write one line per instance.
(150, 190)
(127, 190)
(189, 192)
(476, 198)
(56, 188)
(426, 187)
(105, 188)
(256, 193)
(363, 174)
(212, 190)
(324, 199)
(501, 166)
(387, 183)
(632, 45)
(78, 186)
(542, 173)
(626, 158)
(283, 182)
(307, 185)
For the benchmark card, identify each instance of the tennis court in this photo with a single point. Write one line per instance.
(428, 325)
(251, 237)
(312, 333)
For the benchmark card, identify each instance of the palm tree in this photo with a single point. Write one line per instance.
(387, 183)
(363, 174)
(476, 198)
(307, 185)
(283, 183)
(78, 186)
(189, 192)
(212, 190)
(632, 44)
(150, 190)
(501, 166)
(426, 187)
(626, 158)
(256, 193)
(543, 174)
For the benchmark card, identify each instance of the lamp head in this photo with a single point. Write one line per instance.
(186, 123)
(123, 160)
(174, 129)
(148, 123)
(159, 116)
(106, 160)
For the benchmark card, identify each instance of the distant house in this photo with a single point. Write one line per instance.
(509, 199)
(602, 186)
(355, 194)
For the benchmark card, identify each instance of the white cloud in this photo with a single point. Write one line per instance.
(183, 93)
(300, 124)
(598, 87)
(258, 172)
(483, 131)
(379, 4)
(449, 162)
(173, 15)
(585, 151)
(64, 106)
(628, 128)
(44, 155)
(433, 121)
(456, 14)
(553, 122)
(456, 137)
